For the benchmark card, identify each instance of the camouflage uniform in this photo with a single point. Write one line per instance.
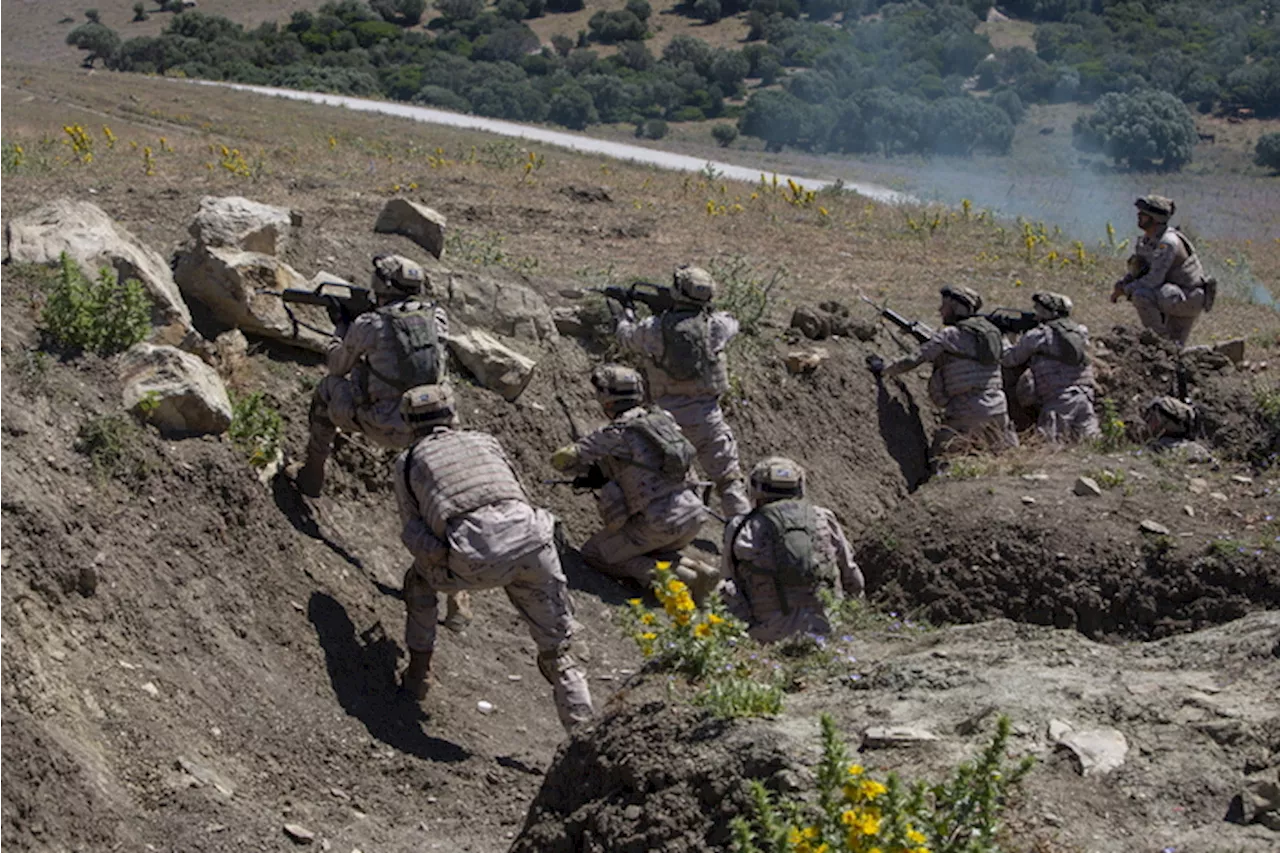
(469, 525)
(694, 403)
(645, 512)
(1170, 296)
(1059, 378)
(969, 391)
(755, 597)
(1172, 424)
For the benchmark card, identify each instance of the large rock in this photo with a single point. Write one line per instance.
(239, 223)
(505, 307)
(174, 390)
(89, 236)
(495, 365)
(237, 287)
(418, 222)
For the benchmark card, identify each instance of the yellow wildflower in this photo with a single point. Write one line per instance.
(856, 770)
(702, 630)
(870, 789)
(648, 619)
(861, 822)
(714, 619)
(682, 619)
(915, 837)
(648, 636)
(634, 602)
(664, 565)
(676, 587)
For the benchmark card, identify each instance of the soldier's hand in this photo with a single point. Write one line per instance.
(875, 364)
(565, 457)
(1117, 291)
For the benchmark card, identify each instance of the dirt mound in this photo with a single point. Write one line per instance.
(1028, 548)
(651, 776)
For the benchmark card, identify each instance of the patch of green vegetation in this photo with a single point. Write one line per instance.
(1268, 400)
(116, 448)
(1108, 479)
(855, 813)
(735, 696)
(745, 292)
(105, 317)
(487, 250)
(256, 428)
(1114, 429)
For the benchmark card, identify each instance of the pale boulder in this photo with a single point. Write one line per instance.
(495, 365)
(93, 240)
(239, 223)
(240, 289)
(418, 222)
(504, 307)
(174, 390)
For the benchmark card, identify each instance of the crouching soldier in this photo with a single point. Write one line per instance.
(1059, 378)
(648, 499)
(1174, 426)
(781, 553)
(469, 525)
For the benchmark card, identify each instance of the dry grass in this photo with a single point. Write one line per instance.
(338, 168)
(1007, 34)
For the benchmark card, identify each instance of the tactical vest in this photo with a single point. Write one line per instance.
(1069, 344)
(1057, 367)
(409, 348)
(461, 471)
(789, 556)
(986, 339)
(656, 460)
(978, 367)
(688, 367)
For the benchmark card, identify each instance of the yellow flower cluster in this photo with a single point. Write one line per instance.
(675, 599)
(802, 840)
(109, 136)
(80, 141)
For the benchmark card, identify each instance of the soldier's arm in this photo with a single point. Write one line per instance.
(724, 327)
(1161, 261)
(642, 336)
(345, 354)
(930, 350)
(851, 580)
(414, 533)
(1021, 352)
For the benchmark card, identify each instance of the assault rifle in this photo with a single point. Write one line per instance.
(657, 297)
(342, 307)
(1007, 320)
(915, 328)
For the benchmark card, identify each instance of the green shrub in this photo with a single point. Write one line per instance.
(724, 134)
(255, 428)
(105, 317)
(114, 445)
(733, 696)
(855, 813)
(1267, 151)
(744, 292)
(1114, 429)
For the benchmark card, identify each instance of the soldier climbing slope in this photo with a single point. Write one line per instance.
(1167, 283)
(1059, 379)
(469, 525)
(688, 373)
(781, 553)
(966, 381)
(648, 500)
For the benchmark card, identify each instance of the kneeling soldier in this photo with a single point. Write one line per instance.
(1059, 378)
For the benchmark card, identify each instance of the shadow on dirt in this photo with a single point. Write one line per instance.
(303, 519)
(362, 670)
(903, 434)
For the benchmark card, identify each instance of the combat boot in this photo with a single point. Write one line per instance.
(310, 477)
(457, 611)
(416, 676)
(701, 578)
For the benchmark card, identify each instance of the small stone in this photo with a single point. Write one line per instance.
(890, 736)
(1153, 527)
(1241, 479)
(1086, 487)
(339, 793)
(632, 812)
(151, 690)
(1189, 510)
(805, 361)
(58, 655)
(1028, 500)
(1197, 485)
(484, 707)
(515, 678)
(1219, 496)
(1057, 730)
(299, 833)
(1035, 478)
(433, 800)
(1098, 751)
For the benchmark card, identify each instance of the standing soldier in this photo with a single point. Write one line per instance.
(1166, 281)
(781, 553)
(966, 381)
(648, 500)
(1058, 379)
(688, 373)
(469, 525)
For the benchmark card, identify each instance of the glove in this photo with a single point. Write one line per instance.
(1118, 290)
(875, 364)
(565, 457)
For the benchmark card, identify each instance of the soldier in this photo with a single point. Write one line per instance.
(781, 553)
(1166, 283)
(385, 352)
(1058, 379)
(647, 498)
(1173, 425)
(966, 381)
(688, 373)
(469, 525)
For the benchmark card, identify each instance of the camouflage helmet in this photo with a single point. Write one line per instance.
(428, 406)
(1166, 415)
(777, 476)
(693, 284)
(1056, 304)
(616, 383)
(966, 297)
(397, 276)
(1158, 207)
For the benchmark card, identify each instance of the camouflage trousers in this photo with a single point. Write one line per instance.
(630, 551)
(703, 422)
(536, 586)
(337, 404)
(1069, 417)
(766, 620)
(1169, 311)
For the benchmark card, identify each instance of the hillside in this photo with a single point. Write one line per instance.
(193, 660)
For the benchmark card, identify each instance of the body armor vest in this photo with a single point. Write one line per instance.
(642, 471)
(463, 471)
(409, 347)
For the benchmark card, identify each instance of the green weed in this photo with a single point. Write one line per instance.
(1108, 479)
(733, 696)
(106, 316)
(487, 250)
(1268, 400)
(744, 292)
(857, 814)
(1114, 429)
(256, 428)
(115, 447)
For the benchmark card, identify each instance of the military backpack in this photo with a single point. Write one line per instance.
(663, 435)
(793, 530)
(987, 338)
(1071, 343)
(415, 344)
(686, 345)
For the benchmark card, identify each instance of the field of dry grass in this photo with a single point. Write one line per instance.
(830, 245)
